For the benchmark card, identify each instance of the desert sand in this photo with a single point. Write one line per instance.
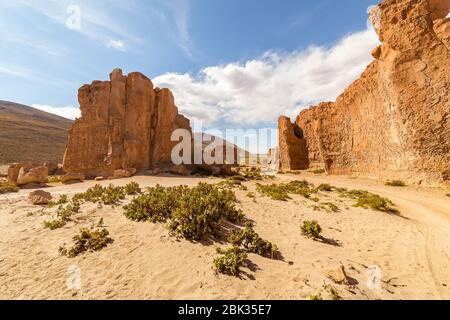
(144, 262)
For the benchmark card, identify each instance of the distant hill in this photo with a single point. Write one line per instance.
(30, 134)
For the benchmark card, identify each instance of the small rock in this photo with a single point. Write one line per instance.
(180, 170)
(40, 197)
(338, 275)
(156, 171)
(99, 178)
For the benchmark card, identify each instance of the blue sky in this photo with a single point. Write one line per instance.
(233, 63)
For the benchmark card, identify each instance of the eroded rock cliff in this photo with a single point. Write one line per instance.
(394, 121)
(125, 123)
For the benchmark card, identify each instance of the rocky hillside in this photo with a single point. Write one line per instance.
(30, 134)
(394, 121)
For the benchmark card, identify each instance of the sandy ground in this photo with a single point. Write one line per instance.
(412, 250)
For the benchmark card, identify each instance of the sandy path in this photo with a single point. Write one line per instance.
(145, 263)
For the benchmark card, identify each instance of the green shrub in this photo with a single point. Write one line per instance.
(54, 224)
(281, 191)
(396, 183)
(273, 191)
(6, 187)
(63, 199)
(315, 297)
(318, 171)
(132, 188)
(367, 200)
(64, 214)
(334, 294)
(88, 240)
(108, 196)
(230, 261)
(200, 211)
(156, 205)
(232, 184)
(300, 187)
(311, 229)
(251, 241)
(251, 195)
(54, 179)
(325, 187)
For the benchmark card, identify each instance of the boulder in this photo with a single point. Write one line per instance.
(40, 197)
(99, 178)
(73, 177)
(13, 170)
(32, 175)
(338, 275)
(180, 170)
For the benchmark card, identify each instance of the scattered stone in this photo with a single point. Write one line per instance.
(99, 178)
(338, 275)
(180, 170)
(40, 197)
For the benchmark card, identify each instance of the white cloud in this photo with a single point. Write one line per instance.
(68, 112)
(116, 44)
(258, 91)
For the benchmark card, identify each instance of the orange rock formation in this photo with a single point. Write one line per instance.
(394, 121)
(125, 123)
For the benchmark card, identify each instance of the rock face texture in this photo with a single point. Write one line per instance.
(126, 124)
(394, 121)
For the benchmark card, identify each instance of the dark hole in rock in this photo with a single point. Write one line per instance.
(298, 132)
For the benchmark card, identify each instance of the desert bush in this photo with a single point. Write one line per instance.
(311, 229)
(273, 191)
(64, 214)
(251, 195)
(132, 188)
(251, 241)
(448, 194)
(318, 171)
(108, 196)
(63, 199)
(300, 187)
(334, 294)
(317, 296)
(396, 183)
(232, 184)
(200, 211)
(281, 191)
(54, 179)
(88, 240)
(327, 206)
(325, 187)
(367, 200)
(6, 187)
(54, 224)
(156, 205)
(230, 261)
